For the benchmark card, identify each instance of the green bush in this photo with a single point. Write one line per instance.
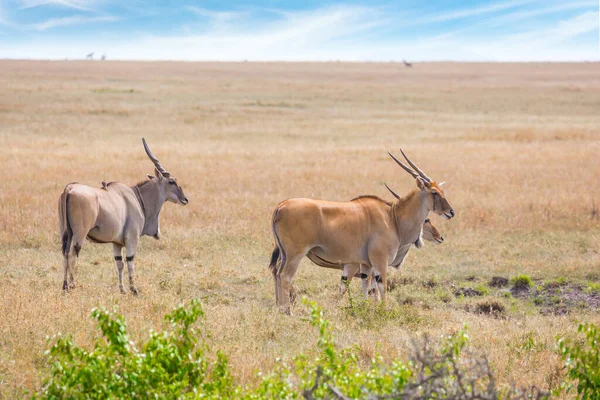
(176, 364)
(582, 361)
(169, 365)
(332, 371)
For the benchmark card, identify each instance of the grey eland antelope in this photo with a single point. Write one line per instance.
(117, 214)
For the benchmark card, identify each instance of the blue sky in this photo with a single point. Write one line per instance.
(511, 30)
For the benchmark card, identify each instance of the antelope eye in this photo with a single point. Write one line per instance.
(171, 182)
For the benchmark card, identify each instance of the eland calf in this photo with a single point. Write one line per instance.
(117, 214)
(366, 231)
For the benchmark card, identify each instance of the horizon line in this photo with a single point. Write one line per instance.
(340, 61)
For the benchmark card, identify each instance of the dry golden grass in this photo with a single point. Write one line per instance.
(517, 143)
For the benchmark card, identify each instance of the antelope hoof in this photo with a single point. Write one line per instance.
(293, 296)
(65, 286)
(134, 291)
(372, 295)
(72, 285)
(122, 290)
(286, 310)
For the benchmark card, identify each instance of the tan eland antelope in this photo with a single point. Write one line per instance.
(429, 233)
(117, 214)
(366, 230)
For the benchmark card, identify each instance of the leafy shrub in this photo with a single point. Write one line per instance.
(333, 372)
(440, 371)
(582, 361)
(521, 282)
(175, 364)
(169, 365)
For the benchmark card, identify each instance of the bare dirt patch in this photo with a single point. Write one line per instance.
(491, 307)
(467, 292)
(560, 299)
(520, 291)
(498, 282)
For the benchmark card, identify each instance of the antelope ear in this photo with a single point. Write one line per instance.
(158, 174)
(422, 183)
(150, 176)
(441, 183)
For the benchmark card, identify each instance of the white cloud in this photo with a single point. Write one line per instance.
(82, 5)
(351, 33)
(565, 30)
(6, 20)
(469, 12)
(3, 16)
(71, 21)
(217, 21)
(575, 26)
(512, 17)
(217, 16)
(327, 24)
(543, 44)
(293, 35)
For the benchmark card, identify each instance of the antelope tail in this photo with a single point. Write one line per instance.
(66, 233)
(274, 258)
(278, 253)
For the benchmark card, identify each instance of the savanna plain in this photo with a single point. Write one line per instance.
(517, 144)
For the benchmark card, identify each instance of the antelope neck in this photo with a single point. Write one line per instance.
(138, 195)
(409, 215)
(151, 201)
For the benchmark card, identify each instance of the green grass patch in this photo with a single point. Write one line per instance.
(483, 289)
(370, 314)
(592, 288)
(521, 282)
(555, 283)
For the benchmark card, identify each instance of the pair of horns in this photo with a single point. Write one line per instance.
(159, 167)
(410, 171)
